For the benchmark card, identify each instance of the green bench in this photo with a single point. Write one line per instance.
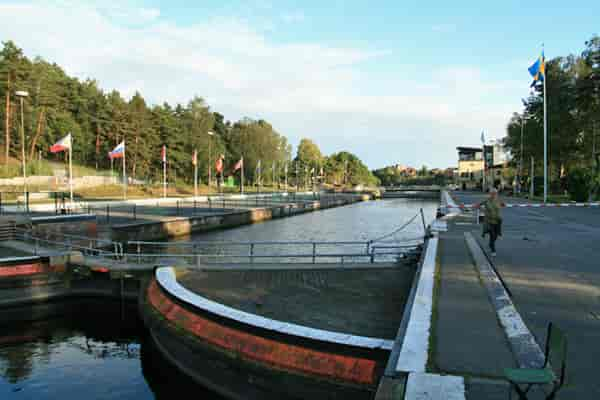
(552, 373)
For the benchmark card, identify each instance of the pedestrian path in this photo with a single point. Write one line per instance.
(467, 338)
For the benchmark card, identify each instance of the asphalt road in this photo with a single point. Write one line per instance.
(549, 259)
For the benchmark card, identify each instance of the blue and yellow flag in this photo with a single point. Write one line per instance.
(538, 70)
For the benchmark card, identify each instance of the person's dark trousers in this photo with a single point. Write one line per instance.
(494, 231)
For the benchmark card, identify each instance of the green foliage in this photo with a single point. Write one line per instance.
(58, 104)
(392, 176)
(346, 168)
(573, 110)
(579, 184)
(309, 153)
(37, 167)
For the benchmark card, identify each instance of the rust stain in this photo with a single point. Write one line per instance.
(358, 370)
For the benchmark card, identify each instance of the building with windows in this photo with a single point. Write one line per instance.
(470, 167)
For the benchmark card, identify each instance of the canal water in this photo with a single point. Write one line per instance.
(360, 221)
(84, 350)
(100, 350)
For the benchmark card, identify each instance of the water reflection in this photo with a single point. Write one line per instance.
(84, 349)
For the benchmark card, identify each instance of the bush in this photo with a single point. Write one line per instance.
(15, 170)
(579, 184)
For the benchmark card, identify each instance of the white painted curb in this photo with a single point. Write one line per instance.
(415, 347)
(423, 386)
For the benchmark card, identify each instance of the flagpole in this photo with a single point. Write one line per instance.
(124, 174)
(195, 173)
(71, 172)
(545, 140)
(286, 181)
(164, 176)
(242, 177)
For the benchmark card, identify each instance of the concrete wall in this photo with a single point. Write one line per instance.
(154, 230)
(57, 182)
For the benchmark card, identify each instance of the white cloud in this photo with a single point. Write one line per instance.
(305, 89)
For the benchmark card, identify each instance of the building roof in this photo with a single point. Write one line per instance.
(469, 149)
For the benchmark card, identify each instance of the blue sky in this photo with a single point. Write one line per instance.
(392, 81)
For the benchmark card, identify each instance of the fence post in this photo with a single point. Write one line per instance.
(27, 201)
(177, 207)
(0, 203)
(138, 252)
(251, 253)
(135, 212)
(314, 253)
(194, 207)
(423, 220)
(107, 213)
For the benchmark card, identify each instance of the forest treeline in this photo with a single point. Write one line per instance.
(58, 104)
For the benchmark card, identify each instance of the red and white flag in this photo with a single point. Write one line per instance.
(239, 164)
(219, 163)
(62, 145)
(195, 157)
(163, 154)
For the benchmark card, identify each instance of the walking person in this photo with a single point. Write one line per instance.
(493, 219)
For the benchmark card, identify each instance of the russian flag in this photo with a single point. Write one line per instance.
(62, 145)
(118, 152)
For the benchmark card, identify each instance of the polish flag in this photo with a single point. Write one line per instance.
(62, 145)
(239, 164)
(163, 154)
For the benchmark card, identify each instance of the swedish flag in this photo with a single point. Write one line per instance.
(538, 70)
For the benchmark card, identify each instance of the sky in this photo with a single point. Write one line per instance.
(391, 81)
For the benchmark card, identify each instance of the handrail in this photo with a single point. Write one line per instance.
(246, 243)
(410, 221)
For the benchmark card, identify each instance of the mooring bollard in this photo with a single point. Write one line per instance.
(177, 207)
(314, 253)
(251, 252)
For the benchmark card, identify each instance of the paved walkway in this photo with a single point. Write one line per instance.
(548, 259)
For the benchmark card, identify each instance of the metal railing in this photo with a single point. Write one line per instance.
(67, 242)
(383, 249)
(288, 251)
(312, 252)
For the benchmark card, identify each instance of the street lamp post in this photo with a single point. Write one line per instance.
(521, 160)
(21, 94)
(210, 134)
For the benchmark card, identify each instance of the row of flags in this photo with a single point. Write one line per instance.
(66, 142)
